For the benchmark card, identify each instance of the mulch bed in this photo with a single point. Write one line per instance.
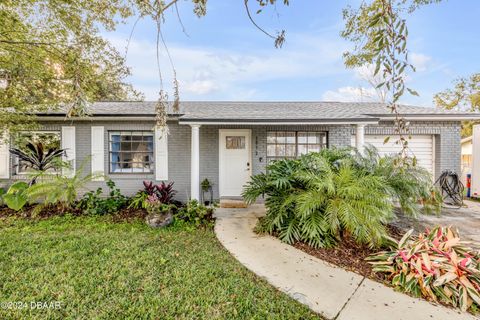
(124, 215)
(349, 255)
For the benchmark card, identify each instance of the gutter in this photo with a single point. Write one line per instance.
(339, 121)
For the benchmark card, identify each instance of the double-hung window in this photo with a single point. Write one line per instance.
(291, 144)
(131, 151)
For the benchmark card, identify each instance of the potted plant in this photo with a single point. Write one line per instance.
(159, 214)
(206, 186)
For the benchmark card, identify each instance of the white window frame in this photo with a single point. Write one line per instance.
(296, 143)
(131, 170)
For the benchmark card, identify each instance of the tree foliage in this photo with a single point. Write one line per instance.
(52, 54)
(464, 96)
(379, 33)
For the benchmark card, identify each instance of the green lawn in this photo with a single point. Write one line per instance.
(99, 269)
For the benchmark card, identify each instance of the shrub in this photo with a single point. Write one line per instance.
(154, 206)
(93, 203)
(408, 185)
(138, 201)
(321, 197)
(435, 265)
(197, 214)
(317, 201)
(58, 190)
(164, 192)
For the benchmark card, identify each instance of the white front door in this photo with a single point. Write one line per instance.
(234, 161)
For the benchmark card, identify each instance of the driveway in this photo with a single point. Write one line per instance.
(466, 220)
(331, 291)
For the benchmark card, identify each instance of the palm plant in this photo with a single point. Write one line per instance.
(409, 185)
(39, 158)
(323, 197)
(318, 201)
(59, 190)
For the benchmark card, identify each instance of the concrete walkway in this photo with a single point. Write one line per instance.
(466, 220)
(330, 291)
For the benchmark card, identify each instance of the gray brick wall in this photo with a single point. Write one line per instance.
(447, 148)
(447, 137)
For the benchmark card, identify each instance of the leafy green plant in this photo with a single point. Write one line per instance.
(154, 206)
(206, 185)
(410, 186)
(322, 197)
(317, 201)
(58, 190)
(435, 265)
(94, 204)
(39, 158)
(138, 200)
(197, 214)
(16, 197)
(2, 192)
(164, 192)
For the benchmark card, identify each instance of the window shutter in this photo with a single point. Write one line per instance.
(4, 158)
(161, 154)
(98, 151)
(68, 143)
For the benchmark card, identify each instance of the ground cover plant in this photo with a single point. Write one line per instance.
(99, 269)
(321, 198)
(434, 265)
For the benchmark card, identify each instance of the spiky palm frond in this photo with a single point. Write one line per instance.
(59, 189)
(321, 197)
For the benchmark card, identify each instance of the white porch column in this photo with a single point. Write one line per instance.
(360, 137)
(195, 163)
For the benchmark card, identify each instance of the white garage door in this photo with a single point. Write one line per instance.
(420, 145)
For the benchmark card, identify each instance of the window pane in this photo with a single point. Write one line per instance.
(115, 146)
(313, 138)
(313, 148)
(271, 137)
(115, 157)
(280, 150)
(271, 150)
(290, 150)
(302, 149)
(235, 142)
(115, 138)
(131, 152)
(290, 136)
(302, 137)
(281, 137)
(291, 144)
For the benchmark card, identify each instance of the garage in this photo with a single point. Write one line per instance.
(422, 146)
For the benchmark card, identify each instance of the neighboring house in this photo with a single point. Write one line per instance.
(466, 160)
(227, 142)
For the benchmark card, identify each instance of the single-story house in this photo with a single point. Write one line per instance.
(227, 142)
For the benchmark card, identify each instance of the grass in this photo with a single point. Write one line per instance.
(97, 269)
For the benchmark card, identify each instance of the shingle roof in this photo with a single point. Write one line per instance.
(266, 111)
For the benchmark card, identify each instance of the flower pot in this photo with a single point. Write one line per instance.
(159, 220)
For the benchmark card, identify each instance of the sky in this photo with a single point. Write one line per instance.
(223, 57)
